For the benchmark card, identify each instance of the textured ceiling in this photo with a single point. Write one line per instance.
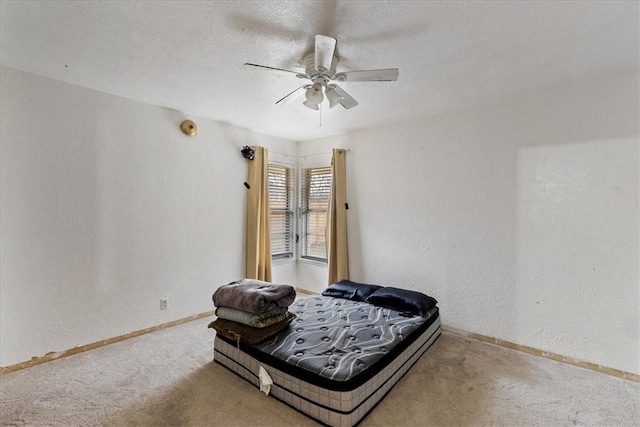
(188, 56)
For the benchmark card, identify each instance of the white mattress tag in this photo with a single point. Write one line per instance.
(265, 381)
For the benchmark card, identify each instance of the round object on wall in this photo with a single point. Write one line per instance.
(189, 127)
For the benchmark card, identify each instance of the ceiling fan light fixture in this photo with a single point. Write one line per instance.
(333, 97)
(311, 105)
(314, 96)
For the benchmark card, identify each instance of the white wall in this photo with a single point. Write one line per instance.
(522, 220)
(106, 207)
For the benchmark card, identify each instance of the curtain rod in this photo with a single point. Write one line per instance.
(321, 154)
(285, 155)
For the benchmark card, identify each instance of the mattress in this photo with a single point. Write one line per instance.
(337, 359)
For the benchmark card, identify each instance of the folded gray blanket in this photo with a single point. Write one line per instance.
(255, 296)
(257, 320)
(246, 334)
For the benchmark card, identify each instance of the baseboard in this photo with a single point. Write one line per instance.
(80, 349)
(545, 354)
(526, 349)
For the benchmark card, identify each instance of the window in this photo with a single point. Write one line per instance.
(314, 202)
(281, 220)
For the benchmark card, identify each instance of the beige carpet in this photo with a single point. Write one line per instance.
(168, 378)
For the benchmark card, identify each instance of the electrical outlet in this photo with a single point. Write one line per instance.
(164, 303)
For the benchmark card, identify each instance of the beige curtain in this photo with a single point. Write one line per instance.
(258, 242)
(336, 227)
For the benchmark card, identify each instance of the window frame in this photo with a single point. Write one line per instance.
(303, 213)
(291, 209)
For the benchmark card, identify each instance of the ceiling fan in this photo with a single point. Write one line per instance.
(320, 67)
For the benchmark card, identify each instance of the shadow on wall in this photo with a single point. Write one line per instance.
(520, 219)
(577, 246)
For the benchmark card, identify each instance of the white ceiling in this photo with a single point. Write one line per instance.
(188, 55)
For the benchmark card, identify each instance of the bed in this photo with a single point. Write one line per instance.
(342, 353)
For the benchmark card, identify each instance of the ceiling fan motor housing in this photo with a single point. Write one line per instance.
(311, 72)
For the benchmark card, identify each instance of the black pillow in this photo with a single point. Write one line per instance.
(402, 300)
(347, 289)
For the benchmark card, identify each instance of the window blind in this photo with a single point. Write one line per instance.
(281, 219)
(314, 202)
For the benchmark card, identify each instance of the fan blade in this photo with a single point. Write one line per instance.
(325, 48)
(384, 75)
(272, 69)
(347, 101)
(290, 93)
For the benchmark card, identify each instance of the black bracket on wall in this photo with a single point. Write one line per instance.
(247, 152)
